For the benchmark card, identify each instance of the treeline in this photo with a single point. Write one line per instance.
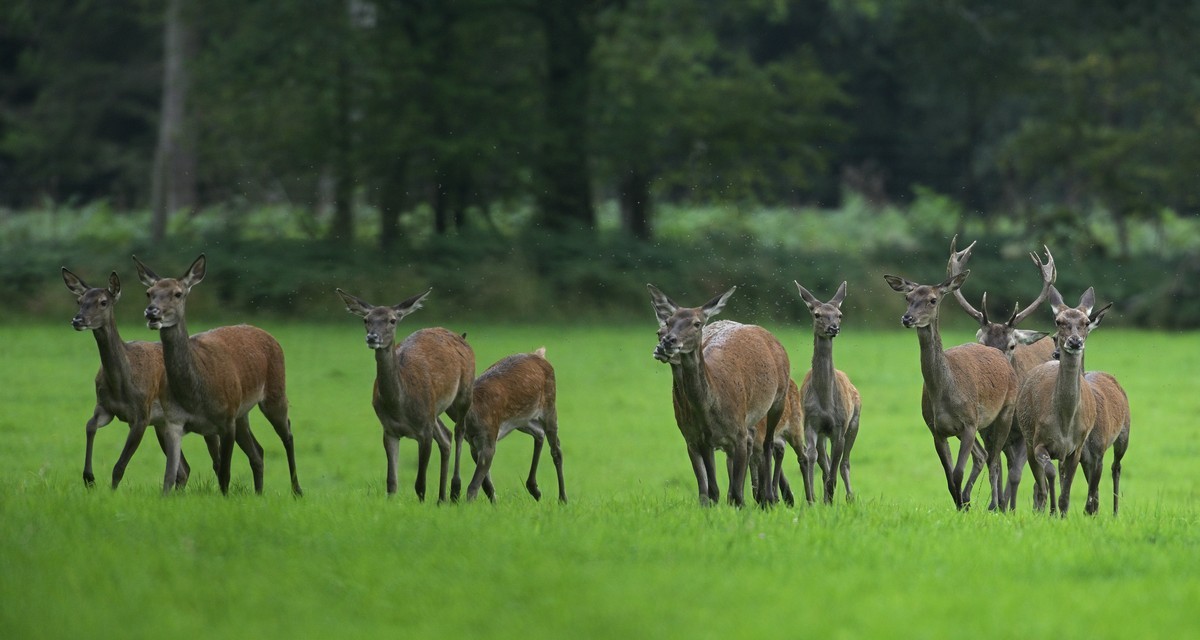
(466, 110)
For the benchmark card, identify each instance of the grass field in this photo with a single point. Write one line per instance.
(631, 556)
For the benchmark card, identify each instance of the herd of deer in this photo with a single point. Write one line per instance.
(1021, 394)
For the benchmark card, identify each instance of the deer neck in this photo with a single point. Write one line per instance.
(822, 370)
(935, 368)
(691, 378)
(182, 377)
(113, 358)
(387, 376)
(1068, 386)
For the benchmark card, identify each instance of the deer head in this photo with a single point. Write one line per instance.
(1073, 324)
(380, 322)
(1002, 335)
(827, 316)
(95, 305)
(680, 329)
(923, 299)
(166, 298)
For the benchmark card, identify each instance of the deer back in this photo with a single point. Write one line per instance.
(436, 369)
(240, 365)
(1042, 422)
(1027, 356)
(983, 385)
(512, 392)
(1112, 408)
(748, 370)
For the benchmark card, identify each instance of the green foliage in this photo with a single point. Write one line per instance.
(631, 555)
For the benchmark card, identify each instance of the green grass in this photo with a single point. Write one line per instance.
(632, 555)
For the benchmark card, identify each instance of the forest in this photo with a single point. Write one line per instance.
(496, 126)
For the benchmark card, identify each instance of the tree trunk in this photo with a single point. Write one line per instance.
(635, 204)
(173, 177)
(565, 194)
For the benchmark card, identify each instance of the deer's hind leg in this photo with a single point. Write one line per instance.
(1119, 448)
(276, 411)
(100, 418)
(851, 436)
(250, 446)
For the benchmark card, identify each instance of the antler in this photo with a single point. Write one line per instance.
(1049, 275)
(956, 265)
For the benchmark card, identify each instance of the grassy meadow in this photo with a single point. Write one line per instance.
(631, 555)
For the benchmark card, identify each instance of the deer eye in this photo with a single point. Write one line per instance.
(104, 303)
(178, 294)
(933, 300)
(697, 324)
(391, 321)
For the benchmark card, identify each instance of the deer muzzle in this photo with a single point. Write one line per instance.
(1073, 344)
(666, 349)
(78, 323)
(908, 321)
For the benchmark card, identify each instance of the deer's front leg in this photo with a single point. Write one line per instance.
(391, 448)
(441, 436)
(99, 418)
(702, 474)
(740, 454)
(943, 451)
(424, 449)
(172, 438)
(1067, 475)
(966, 446)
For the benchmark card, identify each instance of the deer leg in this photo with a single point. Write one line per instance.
(978, 462)
(228, 439)
(1017, 455)
(1092, 465)
(710, 470)
(483, 453)
(277, 414)
(943, 451)
(455, 480)
(835, 462)
(172, 435)
(253, 450)
(697, 459)
(391, 448)
(424, 449)
(550, 426)
(851, 436)
(132, 441)
(965, 450)
(184, 471)
(808, 460)
(441, 436)
(766, 477)
(99, 418)
(997, 436)
(737, 478)
(531, 484)
(1119, 448)
(213, 442)
(785, 489)
(1067, 476)
(1039, 461)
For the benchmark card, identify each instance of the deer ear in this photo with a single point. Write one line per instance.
(411, 305)
(195, 272)
(114, 286)
(900, 284)
(1056, 302)
(839, 296)
(1094, 320)
(1087, 301)
(77, 286)
(1028, 337)
(953, 283)
(809, 299)
(354, 305)
(664, 307)
(145, 275)
(714, 306)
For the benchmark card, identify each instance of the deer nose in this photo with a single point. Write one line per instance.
(833, 330)
(153, 313)
(77, 322)
(907, 320)
(1074, 343)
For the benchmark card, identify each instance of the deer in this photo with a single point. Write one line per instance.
(1069, 416)
(430, 373)
(214, 378)
(1024, 349)
(726, 376)
(789, 432)
(968, 389)
(131, 383)
(832, 404)
(516, 393)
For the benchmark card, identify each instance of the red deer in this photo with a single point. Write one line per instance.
(1024, 350)
(431, 372)
(726, 376)
(832, 405)
(517, 393)
(131, 384)
(789, 432)
(968, 389)
(1068, 416)
(215, 378)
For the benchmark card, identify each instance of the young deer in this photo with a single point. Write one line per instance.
(428, 374)
(1024, 350)
(215, 378)
(968, 389)
(789, 431)
(726, 377)
(1066, 415)
(131, 384)
(516, 393)
(831, 402)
